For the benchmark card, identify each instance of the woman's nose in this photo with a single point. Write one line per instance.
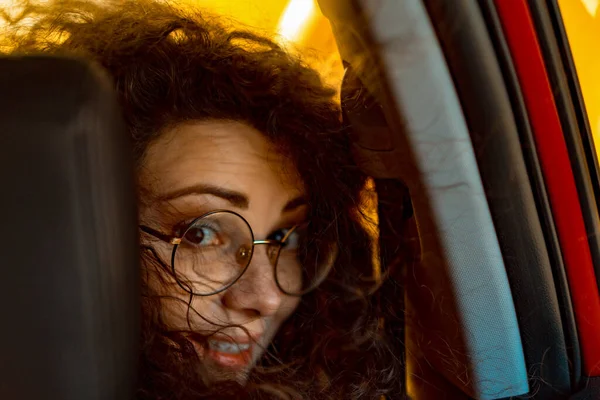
(256, 291)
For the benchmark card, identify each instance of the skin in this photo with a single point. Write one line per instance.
(231, 157)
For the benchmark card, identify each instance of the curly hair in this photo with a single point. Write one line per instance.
(170, 66)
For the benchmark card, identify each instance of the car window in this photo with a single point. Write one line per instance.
(582, 24)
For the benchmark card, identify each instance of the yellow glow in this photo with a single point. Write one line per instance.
(296, 16)
(370, 221)
(591, 6)
(262, 15)
(293, 21)
(583, 32)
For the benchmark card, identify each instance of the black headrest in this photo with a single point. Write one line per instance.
(69, 295)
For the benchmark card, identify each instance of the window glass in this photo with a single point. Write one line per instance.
(582, 23)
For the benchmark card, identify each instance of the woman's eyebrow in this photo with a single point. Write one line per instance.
(236, 199)
(294, 203)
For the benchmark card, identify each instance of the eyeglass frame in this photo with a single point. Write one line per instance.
(176, 241)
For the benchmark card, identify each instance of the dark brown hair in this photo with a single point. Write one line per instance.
(170, 66)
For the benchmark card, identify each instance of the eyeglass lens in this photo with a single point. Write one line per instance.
(217, 249)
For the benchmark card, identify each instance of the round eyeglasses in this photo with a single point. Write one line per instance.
(215, 250)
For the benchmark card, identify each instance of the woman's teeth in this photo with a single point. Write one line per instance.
(228, 347)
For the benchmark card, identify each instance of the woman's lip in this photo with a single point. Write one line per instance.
(229, 360)
(237, 360)
(232, 339)
(249, 338)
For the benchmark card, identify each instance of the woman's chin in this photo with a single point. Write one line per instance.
(216, 374)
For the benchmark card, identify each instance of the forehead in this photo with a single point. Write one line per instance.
(223, 153)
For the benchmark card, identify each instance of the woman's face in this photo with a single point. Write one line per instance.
(201, 167)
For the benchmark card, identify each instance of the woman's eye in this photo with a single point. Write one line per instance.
(291, 241)
(202, 236)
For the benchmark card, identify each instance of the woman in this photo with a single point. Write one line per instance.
(256, 264)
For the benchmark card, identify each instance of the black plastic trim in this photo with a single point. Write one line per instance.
(479, 82)
(566, 113)
(590, 390)
(590, 158)
(537, 181)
